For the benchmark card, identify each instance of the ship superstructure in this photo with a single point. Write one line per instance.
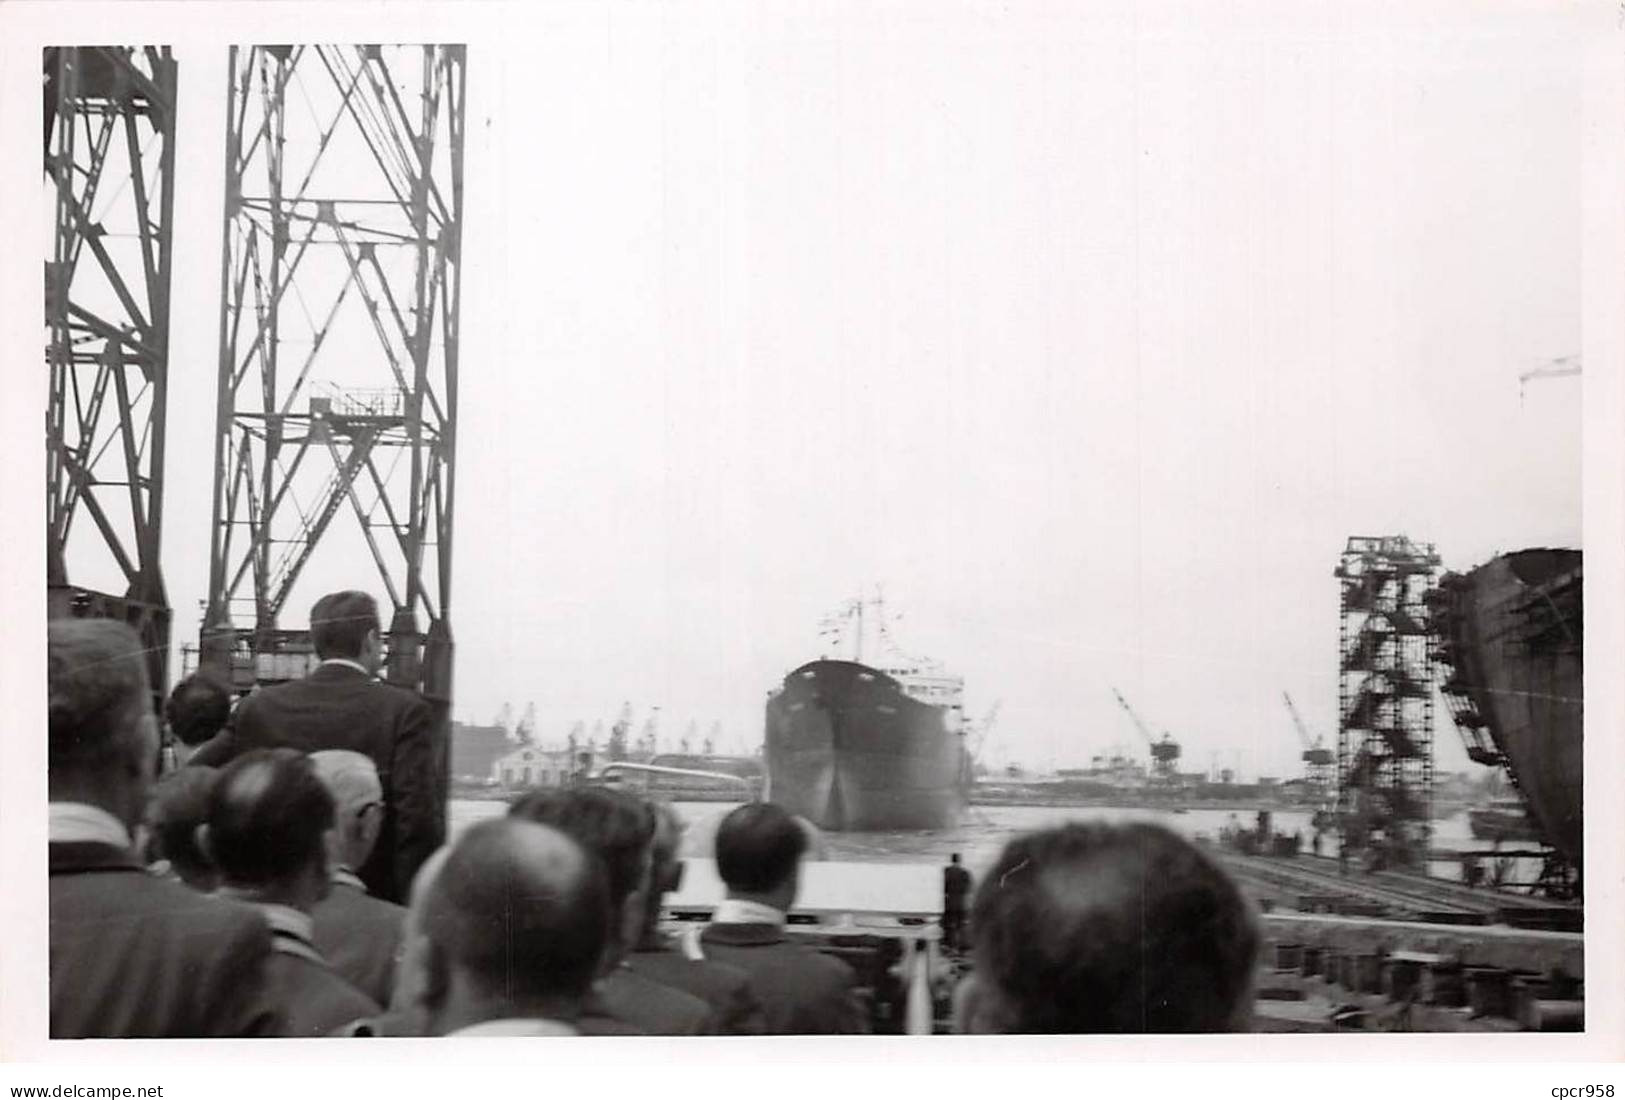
(861, 632)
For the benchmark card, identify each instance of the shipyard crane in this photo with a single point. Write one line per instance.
(1564, 366)
(109, 162)
(617, 747)
(1164, 752)
(1316, 756)
(649, 739)
(980, 730)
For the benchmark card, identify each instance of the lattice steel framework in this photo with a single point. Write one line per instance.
(110, 161)
(1385, 698)
(338, 350)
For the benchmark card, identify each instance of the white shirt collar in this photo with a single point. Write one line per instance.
(347, 663)
(527, 1026)
(82, 823)
(284, 920)
(739, 911)
(343, 876)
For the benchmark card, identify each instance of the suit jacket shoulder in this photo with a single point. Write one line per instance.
(316, 1000)
(332, 703)
(802, 990)
(648, 1006)
(725, 988)
(360, 936)
(132, 955)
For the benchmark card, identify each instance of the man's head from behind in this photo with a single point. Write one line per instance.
(269, 816)
(515, 922)
(197, 708)
(408, 999)
(616, 827)
(180, 805)
(103, 740)
(358, 803)
(758, 852)
(1103, 928)
(345, 625)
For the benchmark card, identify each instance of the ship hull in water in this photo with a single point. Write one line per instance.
(847, 749)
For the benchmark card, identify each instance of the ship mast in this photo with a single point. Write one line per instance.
(850, 618)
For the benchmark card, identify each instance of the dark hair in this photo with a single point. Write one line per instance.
(180, 803)
(758, 847)
(340, 623)
(615, 826)
(267, 816)
(96, 683)
(198, 708)
(523, 907)
(1096, 927)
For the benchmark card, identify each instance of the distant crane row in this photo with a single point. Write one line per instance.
(1319, 761)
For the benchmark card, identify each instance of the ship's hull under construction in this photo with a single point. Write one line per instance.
(1513, 631)
(847, 749)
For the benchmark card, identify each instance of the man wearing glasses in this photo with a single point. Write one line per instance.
(359, 934)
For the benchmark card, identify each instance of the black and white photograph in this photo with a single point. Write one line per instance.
(901, 523)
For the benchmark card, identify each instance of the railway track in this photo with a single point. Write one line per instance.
(1409, 895)
(1443, 888)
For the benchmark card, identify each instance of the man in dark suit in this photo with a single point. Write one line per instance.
(725, 988)
(341, 705)
(360, 935)
(269, 817)
(956, 884)
(131, 954)
(802, 991)
(1096, 928)
(618, 828)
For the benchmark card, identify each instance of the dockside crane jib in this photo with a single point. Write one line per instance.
(976, 741)
(1319, 759)
(1164, 752)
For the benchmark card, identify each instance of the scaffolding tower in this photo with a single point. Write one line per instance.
(1385, 697)
(338, 354)
(109, 142)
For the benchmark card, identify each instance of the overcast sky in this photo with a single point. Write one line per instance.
(1090, 337)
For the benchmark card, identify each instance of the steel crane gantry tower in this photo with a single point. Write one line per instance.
(338, 352)
(1385, 698)
(110, 160)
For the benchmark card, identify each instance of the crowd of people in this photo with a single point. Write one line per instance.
(289, 877)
